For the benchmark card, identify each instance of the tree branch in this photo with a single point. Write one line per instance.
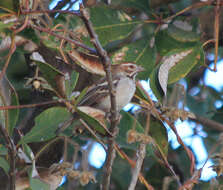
(77, 43)
(141, 155)
(114, 115)
(11, 153)
(208, 123)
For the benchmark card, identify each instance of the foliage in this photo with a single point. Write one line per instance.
(42, 87)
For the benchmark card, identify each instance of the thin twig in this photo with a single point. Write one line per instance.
(172, 126)
(77, 43)
(132, 164)
(11, 51)
(194, 6)
(28, 12)
(114, 115)
(141, 155)
(163, 157)
(216, 32)
(28, 105)
(93, 133)
(208, 122)
(11, 153)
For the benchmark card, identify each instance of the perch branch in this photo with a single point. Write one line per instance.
(114, 115)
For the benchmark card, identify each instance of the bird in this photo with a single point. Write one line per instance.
(123, 78)
(96, 101)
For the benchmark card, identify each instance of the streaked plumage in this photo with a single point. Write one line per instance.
(123, 76)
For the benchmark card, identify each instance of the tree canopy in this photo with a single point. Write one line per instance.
(45, 131)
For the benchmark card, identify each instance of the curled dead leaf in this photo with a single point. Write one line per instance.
(86, 177)
(53, 179)
(167, 63)
(90, 63)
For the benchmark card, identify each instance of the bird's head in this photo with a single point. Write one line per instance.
(128, 69)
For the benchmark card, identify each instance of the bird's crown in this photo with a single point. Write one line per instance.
(126, 68)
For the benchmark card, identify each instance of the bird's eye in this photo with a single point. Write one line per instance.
(132, 67)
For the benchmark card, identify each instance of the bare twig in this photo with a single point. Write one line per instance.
(162, 156)
(141, 155)
(194, 6)
(61, 4)
(28, 105)
(25, 12)
(11, 51)
(217, 11)
(172, 126)
(208, 122)
(11, 153)
(132, 164)
(49, 31)
(114, 115)
(93, 133)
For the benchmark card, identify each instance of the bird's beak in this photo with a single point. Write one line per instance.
(140, 69)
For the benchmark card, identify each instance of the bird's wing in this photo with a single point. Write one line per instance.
(97, 92)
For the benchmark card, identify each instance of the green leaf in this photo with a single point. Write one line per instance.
(60, 188)
(182, 35)
(166, 43)
(5, 98)
(142, 5)
(71, 83)
(121, 170)
(159, 134)
(140, 93)
(174, 66)
(82, 94)
(203, 107)
(36, 184)
(141, 53)
(185, 65)
(146, 58)
(4, 26)
(4, 165)
(30, 34)
(3, 150)
(28, 152)
(155, 85)
(93, 122)
(8, 96)
(127, 122)
(10, 5)
(46, 124)
(171, 60)
(13, 113)
(115, 25)
(50, 73)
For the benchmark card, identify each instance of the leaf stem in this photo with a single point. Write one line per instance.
(141, 152)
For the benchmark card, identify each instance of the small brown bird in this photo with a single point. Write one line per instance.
(123, 76)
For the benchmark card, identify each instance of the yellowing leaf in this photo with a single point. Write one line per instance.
(94, 117)
(167, 63)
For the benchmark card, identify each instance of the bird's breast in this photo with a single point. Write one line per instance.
(125, 89)
(124, 92)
